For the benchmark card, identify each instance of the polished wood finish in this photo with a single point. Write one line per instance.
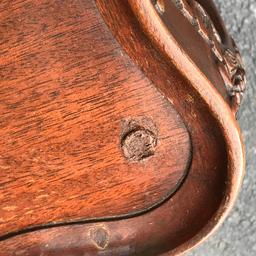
(116, 132)
(63, 119)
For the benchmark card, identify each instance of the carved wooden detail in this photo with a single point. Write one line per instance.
(228, 57)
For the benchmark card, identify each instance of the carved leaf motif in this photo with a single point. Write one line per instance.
(228, 58)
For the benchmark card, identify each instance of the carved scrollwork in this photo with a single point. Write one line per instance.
(227, 55)
(234, 76)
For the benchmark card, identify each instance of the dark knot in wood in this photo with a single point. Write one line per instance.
(140, 139)
(100, 237)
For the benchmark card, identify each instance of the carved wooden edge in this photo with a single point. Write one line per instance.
(153, 26)
(205, 19)
(231, 66)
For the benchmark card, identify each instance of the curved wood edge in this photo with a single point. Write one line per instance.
(161, 37)
(227, 72)
(232, 67)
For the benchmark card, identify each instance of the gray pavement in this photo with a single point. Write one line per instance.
(237, 236)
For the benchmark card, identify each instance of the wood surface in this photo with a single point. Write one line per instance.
(68, 96)
(119, 61)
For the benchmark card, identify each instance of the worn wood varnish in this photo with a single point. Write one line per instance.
(116, 132)
(64, 110)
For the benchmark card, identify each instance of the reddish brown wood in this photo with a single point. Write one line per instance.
(82, 81)
(67, 98)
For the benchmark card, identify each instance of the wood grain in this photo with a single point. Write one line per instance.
(66, 91)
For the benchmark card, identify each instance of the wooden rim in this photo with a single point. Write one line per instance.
(164, 40)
